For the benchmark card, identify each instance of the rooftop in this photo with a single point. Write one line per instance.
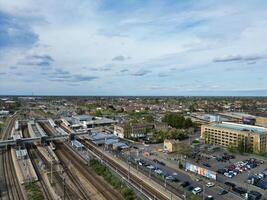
(102, 136)
(241, 127)
(237, 115)
(83, 117)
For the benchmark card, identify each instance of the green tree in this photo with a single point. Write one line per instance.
(149, 118)
(98, 113)
(187, 123)
(184, 149)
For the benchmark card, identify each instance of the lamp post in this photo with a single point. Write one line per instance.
(51, 172)
(203, 192)
(64, 186)
(128, 170)
(248, 185)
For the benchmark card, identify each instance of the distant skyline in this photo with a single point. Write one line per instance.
(134, 47)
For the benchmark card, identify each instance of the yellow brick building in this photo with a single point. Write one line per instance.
(230, 134)
(171, 145)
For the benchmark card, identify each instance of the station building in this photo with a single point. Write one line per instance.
(230, 134)
(86, 121)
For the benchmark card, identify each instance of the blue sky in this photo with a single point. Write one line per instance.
(134, 47)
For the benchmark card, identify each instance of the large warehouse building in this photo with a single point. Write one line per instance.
(230, 134)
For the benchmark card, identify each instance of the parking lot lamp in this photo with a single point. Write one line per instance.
(128, 169)
(247, 185)
(203, 191)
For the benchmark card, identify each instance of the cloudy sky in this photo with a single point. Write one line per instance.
(133, 47)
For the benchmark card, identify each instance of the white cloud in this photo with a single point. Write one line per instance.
(82, 36)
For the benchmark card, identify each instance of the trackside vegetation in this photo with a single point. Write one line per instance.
(118, 184)
(34, 192)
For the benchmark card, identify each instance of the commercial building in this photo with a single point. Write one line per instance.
(261, 121)
(132, 130)
(243, 118)
(171, 145)
(231, 134)
(86, 121)
(4, 113)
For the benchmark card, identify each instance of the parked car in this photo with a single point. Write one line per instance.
(190, 188)
(230, 184)
(158, 171)
(209, 197)
(262, 184)
(170, 178)
(176, 180)
(206, 164)
(159, 162)
(239, 190)
(196, 190)
(221, 171)
(210, 184)
(150, 167)
(185, 184)
(254, 195)
(222, 192)
(228, 175)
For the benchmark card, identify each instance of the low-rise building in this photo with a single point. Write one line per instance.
(171, 145)
(132, 130)
(261, 121)
(4, 112)
(21, 154)
(231, 134)
(161, 126)
(86, 121)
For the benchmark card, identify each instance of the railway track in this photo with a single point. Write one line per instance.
(68, 192)
(12, 184)
(102, 187)
(75, 180)
(153, 193)
(32, 155)
(146, 188)
(65, 154)
(78, 191)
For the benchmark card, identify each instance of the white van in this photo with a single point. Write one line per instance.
(196, 190)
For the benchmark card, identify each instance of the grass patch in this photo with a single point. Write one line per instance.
(101, 170)
(34, 192)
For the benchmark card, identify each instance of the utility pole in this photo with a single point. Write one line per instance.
(248, 185)
(64, 186)
(185, 195)
(128, 170)
(203, 191)
(51, 180)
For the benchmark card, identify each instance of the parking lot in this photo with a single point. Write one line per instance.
(234, 168)
(239, 168)
(168, 173)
